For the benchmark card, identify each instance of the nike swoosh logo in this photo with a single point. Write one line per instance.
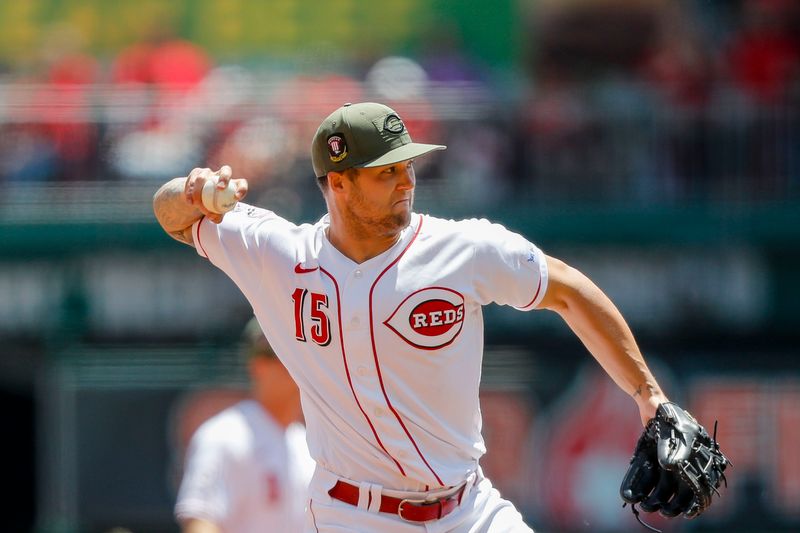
(300, 270)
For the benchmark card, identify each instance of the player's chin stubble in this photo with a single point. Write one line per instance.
(384, 225)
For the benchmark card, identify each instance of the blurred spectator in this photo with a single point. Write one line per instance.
(475, 170)
(26, 154)
(402, 84)
(59, 138)
(248, 467)
(583, 40)
(162, 60)
(564, 152)
(680, 68)
(679, 62)
(626, 99)
(162, 142)
(265, 151)
(763, 63)
(397, 78)
(247, 138)
(566, 141)
(270, 147)
(73, 131)
(764, 56)
(443, 55)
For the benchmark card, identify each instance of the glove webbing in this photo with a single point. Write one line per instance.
(710, 465)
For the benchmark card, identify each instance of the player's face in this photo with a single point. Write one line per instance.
(381, 198)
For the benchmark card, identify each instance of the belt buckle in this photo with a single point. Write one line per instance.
(419, 503)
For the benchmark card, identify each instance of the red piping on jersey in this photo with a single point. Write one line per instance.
(199, 243)
(538, 288)
(375, 353)
(313, 518)
(347, 370)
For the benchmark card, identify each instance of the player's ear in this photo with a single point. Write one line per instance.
(336, 181)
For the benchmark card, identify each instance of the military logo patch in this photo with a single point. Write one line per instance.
(430, 318)
(393, 124)
(337, 148)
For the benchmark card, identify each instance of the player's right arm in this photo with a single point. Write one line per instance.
(195, 525)
(179, 203)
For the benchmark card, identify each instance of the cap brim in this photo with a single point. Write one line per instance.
(403, 153)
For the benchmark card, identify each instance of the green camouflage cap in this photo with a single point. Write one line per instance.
(363, 135)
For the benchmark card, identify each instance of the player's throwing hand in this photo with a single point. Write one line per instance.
(193, 188)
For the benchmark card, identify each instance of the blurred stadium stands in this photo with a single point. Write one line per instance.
(655, 144)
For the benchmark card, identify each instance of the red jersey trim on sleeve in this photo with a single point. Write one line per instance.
(197, 238)
(541, 287)
(535, 296)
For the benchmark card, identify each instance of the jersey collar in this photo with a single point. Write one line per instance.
(325, 247)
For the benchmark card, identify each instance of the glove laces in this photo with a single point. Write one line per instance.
(636, 514)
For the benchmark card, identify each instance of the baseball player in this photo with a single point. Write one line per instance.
(248, 468)
(376, 312)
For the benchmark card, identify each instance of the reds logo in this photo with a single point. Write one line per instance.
(430, 318)
(393, 124)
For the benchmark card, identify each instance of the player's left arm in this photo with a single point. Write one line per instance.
(600, 326)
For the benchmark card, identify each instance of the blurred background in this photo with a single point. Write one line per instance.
(654, 144)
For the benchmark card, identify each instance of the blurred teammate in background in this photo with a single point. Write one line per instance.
(248, 468)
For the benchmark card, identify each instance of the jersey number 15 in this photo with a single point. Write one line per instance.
(321, 328)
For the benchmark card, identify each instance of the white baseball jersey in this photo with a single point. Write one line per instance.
(387, 353)
(246, 473)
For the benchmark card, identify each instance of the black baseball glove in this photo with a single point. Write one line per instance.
(676, 467)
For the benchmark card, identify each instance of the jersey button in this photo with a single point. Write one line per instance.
(379, 412)
(355, 321)
(362, 371)
(357, 274)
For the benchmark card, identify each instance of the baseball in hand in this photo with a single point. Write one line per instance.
(219, 200)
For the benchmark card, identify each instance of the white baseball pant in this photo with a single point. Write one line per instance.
(482, 510)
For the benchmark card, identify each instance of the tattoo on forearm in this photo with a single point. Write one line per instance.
(184, 236)
(173, 213)
(651, 389)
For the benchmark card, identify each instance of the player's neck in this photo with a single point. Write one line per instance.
(358, 246)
